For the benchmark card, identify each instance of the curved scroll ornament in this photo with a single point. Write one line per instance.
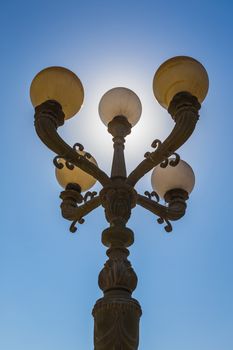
(59, 165)
(57, 162)
(168, 227)
(152, 194)
(175, 162)
(69, 165)
(73, 227)
(89, 195)
(155, 144)
(78, 147)
(172, 162)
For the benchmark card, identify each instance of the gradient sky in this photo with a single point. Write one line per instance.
(49, 276)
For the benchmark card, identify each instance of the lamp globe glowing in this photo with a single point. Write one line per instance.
(120, 101)
(180, 74)
(180, 177)
(75, 176)
(61, 85)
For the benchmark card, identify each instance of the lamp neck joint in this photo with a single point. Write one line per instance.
(51, 110)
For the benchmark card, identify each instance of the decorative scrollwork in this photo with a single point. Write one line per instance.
(78, 146)
(156, 143)
(168, 227)
(58, 164)
(152, 194)
(164, 163)
(89, 195)
(172, 162)
(69, 165)
(73, 228)
(87, 155)
(175, 162)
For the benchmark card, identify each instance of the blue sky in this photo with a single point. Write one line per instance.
(48, 276)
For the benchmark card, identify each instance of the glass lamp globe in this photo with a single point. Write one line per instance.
(180, 73)
(65, 175)
(180, 176)
(120, 101)
(61, 85)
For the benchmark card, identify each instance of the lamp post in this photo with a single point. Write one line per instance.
(180, 85)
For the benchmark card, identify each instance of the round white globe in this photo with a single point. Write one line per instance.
(180, 176)
(120, 101)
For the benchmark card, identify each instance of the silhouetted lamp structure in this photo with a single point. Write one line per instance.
(180, 85)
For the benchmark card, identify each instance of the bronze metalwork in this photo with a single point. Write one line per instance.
(117, 314)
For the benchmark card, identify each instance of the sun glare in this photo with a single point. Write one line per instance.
(88, 129)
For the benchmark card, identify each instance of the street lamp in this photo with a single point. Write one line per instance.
(180, 85)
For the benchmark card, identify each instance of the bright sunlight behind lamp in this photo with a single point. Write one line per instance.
(120, 101)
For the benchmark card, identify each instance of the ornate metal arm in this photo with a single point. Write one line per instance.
(70, 211)
(48, 117)
(184, 110)
(174, 211)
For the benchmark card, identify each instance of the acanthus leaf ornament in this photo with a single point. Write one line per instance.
(118, 202)
(118, 273)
